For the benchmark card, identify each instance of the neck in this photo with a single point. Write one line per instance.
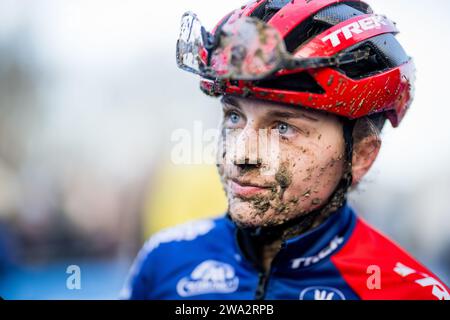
(261, 245)
(269, 248)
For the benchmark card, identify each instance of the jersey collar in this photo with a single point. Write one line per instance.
(306, 250)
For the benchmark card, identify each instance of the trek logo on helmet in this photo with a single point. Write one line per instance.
(357, 27)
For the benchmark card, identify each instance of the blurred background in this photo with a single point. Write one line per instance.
(90, 97)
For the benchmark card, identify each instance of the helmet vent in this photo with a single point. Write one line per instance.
(268, 8)
(320, 22)
(301, 81)
(385, 53)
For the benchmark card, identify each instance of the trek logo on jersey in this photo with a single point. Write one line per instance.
(307, 261)
(423, 279)
(209, 277)
(357, 27)
(321, 293)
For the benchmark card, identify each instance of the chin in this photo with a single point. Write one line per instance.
(246, 216)
(244, 222)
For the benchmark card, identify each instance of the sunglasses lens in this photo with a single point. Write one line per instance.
(191, 52)
(248, 49)
(242, 49)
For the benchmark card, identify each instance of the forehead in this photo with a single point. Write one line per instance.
(262, 108)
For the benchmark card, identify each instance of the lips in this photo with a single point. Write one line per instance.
(247, 189)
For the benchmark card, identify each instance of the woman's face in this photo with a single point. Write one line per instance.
(277, 162)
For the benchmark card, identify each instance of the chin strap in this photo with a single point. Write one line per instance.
(305, 222)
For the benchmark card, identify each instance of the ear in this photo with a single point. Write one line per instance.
(365, 151)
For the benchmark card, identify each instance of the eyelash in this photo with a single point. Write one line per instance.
(228, 113)
(296, 129)
(289, 127)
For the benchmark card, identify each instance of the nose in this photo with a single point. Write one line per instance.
(253, 148)
(246, 148)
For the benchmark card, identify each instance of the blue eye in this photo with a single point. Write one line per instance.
(283, 128)
(234, 118)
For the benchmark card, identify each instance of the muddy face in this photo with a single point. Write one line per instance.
(276, 187)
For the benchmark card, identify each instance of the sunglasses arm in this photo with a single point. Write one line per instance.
(291, 63)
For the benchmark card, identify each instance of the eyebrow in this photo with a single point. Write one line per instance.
(230, 101)
(290, 115)
(227, 100)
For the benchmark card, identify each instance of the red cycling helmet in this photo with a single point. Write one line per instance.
(384, 83)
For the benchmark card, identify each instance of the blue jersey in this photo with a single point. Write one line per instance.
(343, 258)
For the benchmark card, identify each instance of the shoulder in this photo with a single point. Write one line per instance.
(180, 234)
(377, 268)
(171, 247)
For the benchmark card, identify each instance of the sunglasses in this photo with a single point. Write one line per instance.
(244, 49)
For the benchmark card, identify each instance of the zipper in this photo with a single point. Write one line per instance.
(263, 277)
(260, 292)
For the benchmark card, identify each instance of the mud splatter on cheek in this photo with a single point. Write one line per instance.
(326, 175)
(308, 177)
(283, 178)
(221, 164)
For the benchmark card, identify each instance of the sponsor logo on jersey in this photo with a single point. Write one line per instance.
(321, 293)
(424, 280)
(307, 261)
(210, 276)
